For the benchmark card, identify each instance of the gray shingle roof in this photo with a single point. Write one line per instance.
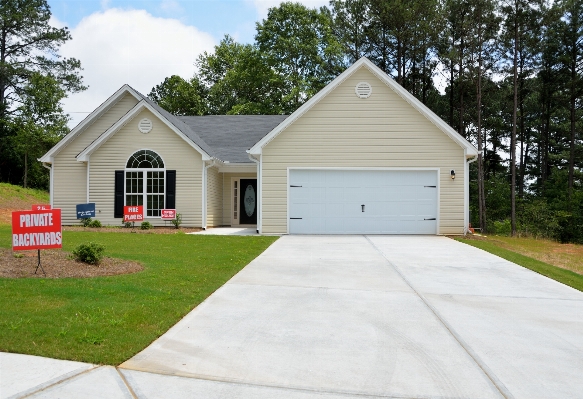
(230, 136)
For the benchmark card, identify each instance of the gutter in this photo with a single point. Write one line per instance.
(204, 191)
(45, 164)
(259, 191)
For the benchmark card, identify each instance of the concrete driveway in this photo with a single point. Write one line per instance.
(401, 317)
(366, 316)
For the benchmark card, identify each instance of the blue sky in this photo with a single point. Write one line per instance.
(141, 42)
(236, 18)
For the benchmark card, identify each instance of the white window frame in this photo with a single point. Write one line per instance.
(144, 182)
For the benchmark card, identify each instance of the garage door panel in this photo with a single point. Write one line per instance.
(330, 202)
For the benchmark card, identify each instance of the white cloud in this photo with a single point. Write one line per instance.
(262, 6)
(171, 7)
(129, 46)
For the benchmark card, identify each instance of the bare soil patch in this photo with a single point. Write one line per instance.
(59, 264)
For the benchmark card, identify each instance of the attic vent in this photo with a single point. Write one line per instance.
(145, 125)
(363, 90)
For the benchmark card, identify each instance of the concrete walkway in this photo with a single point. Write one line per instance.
(354, 316)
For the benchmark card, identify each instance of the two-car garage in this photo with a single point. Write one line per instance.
(363, 201)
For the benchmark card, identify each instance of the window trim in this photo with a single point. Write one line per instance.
(145, 182)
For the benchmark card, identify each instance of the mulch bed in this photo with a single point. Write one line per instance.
(59, 264)
(137, 230)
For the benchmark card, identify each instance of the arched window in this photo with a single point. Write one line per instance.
(144, 177)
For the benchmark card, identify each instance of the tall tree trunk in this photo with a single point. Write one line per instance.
(522, 160)
(25, 169)
(513, 137)
(573, 119)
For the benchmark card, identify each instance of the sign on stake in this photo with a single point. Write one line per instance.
(36, 229)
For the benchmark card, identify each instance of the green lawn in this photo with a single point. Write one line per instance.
(561, 275)
(107, 320)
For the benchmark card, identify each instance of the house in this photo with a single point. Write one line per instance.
(362, 156)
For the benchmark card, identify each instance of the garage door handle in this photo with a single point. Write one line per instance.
(362, 206)
(295, 186)
(296, 218)
(430, 219)
(431, 186)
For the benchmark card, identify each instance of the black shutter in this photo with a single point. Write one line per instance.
(118, 202)
(170, 189)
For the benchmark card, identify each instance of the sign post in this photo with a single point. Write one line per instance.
(37, 229)
(133, 214)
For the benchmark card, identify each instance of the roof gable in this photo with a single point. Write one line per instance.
(469, 149)
(185, 133)
(92, 117)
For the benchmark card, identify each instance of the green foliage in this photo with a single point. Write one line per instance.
(90, 253)
(181, 97)
(176, 222)
(127, 225)
(146, 225)
(95, 224)
(33, 81)
(86, 222)
(502, 227)
(121, 314)
(300, 46)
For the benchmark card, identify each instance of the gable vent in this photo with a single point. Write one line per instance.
(363, 90)
(145, 125)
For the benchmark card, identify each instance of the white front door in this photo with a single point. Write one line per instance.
(325, 201)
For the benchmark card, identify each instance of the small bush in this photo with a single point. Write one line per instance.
(146, 226)
(127, 225)
(178, 221)
(86, 222)
(503, 228)
(91, 253)
(95, 223)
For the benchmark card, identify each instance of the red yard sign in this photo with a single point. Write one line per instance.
(36, 229)
(41, 207)
(168, 214)
(133, 213)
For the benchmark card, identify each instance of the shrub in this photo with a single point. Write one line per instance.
(95, 223)
(86, 222)
(146, 226)
(127, 225)
(177, 221)
(503, 228)
(91, 252)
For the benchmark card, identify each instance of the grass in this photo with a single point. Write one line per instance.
(496, 246)
(565, 256)
(107, 320)
(9, 192)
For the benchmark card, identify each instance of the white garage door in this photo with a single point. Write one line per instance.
(362, 201)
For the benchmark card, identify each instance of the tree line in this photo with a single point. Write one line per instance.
(505, 74)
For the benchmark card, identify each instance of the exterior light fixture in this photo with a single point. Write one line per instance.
(452, 174)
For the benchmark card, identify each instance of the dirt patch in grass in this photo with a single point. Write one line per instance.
(565, 256)
(59, 264)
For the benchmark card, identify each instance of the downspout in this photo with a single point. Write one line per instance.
(204, 191)
(45, 164)
(467, 190)
(259, 193)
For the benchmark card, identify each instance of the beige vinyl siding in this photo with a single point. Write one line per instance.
(69, 175)
(343, 130)
(177, 155)
(214, 197)
(228, 194)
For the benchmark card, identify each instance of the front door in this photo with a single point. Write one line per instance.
(248, 201)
